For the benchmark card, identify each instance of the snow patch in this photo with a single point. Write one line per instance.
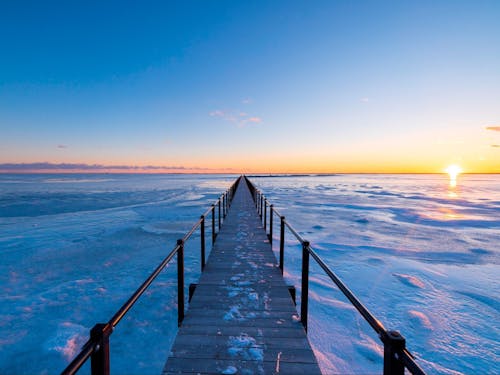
(409, 280)
(245, 347)
(419, 319)
(229, 370)
(68, 339)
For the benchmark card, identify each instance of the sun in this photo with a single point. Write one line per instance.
(453, 171)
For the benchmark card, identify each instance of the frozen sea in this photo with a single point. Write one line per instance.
(421, 254)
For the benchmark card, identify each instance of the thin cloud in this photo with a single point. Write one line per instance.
(494, 128)
(228, 116)
(247, 101)
(495, 145)
(47, 167)
(365, 100)
(217, 113)
(62, 146)
(237, 117)
(254, 120)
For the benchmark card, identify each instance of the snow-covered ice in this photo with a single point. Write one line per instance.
(422, 256)
(75, 247)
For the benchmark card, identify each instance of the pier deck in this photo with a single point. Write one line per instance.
(241, 319)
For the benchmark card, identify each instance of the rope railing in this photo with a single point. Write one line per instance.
(97, 346)
(396, 356)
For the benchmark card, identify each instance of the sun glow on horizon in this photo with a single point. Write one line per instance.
(453, 171)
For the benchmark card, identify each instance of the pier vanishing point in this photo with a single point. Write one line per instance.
(241, 317)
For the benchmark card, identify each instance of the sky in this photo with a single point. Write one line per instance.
(250, 86)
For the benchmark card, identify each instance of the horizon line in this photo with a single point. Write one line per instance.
(82, 168)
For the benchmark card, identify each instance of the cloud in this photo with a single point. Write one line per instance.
(62, 146)
(247, 101)
(494, 128)
(237, 117)
(495, 145)
(365, 100)
(228, 116)
(254, 120)
(217, 113)
(81, 167)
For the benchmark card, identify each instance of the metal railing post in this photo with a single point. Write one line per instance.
(202, 244)
(282, 244)
(180, 282)
(304, 293)
(218, 203)
(265, 215)
(394, 343)
(271, 225)
(261, 204)
(213, 224)
(99, 360)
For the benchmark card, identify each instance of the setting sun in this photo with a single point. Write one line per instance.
(453, 171)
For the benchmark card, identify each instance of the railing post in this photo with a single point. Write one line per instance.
(218, 203)
(304, 293)
(180, 282)
(261, 204)
(394, 343)
(224, 205)
(271, 225)
(282, 244)
(213, 224)
(265, 215)
(99, 361)
(202, 244)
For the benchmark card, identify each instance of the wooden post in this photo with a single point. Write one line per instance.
(394, 343)
(99, 361)
(202, 243)
(304, 293)
(271, 225)
(180, 282)
(282, 244)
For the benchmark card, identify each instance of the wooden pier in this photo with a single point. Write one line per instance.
(241, 319)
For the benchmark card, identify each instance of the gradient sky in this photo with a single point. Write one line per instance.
(252, 86)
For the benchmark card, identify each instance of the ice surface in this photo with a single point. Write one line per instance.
(75, 247)
(422, 257)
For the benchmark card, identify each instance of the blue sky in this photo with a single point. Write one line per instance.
(252, 86)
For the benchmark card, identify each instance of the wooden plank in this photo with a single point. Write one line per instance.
(236, 366)
(241, 318)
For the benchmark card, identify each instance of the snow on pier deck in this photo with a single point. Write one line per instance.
(241, 319)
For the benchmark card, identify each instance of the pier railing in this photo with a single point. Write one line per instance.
(396, 356)
(97, 346)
